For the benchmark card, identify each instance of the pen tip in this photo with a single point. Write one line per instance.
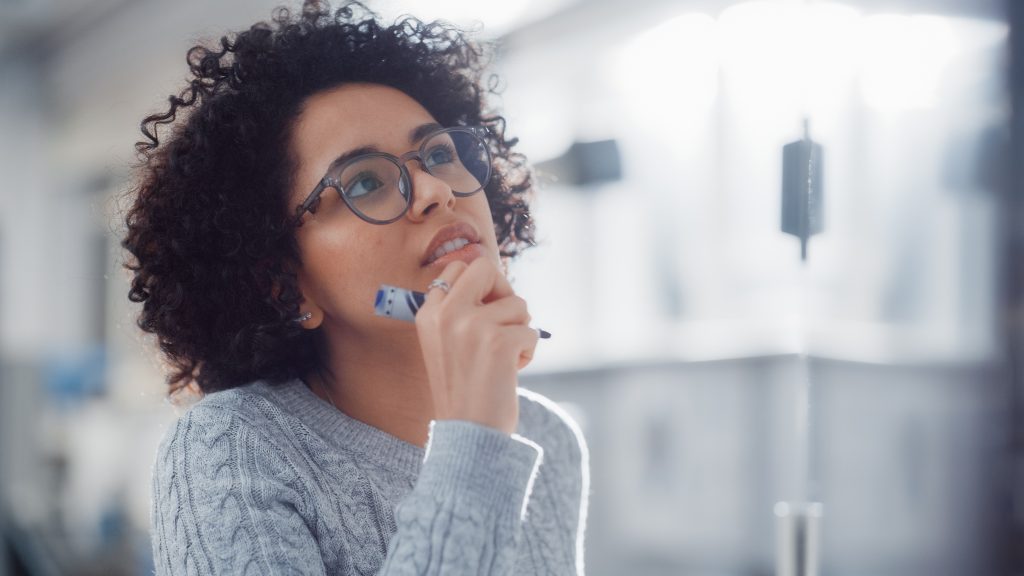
(544, 333)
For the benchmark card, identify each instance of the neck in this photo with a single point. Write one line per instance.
(381, 381)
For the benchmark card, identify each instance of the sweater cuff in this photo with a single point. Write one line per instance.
(471, 460)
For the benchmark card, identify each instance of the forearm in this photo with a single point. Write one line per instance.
(465, 514)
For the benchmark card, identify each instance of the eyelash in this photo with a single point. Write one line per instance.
(447, 148)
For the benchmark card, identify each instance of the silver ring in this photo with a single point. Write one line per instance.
(438, 283)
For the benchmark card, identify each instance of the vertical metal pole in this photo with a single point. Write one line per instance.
(5, 403)
(798, 538)
(1012, 287)
(798, 522)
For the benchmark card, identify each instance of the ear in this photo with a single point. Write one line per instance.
(307, 304)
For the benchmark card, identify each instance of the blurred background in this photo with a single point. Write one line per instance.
(781, 248)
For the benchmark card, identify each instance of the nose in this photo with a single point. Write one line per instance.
(428, 192)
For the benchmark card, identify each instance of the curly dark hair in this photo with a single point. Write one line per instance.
(212, 245)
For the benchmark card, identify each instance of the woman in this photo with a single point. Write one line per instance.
(310, 161)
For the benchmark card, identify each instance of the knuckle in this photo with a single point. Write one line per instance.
(522, 307)
(446, 317)
(461, 326)
(492, 341)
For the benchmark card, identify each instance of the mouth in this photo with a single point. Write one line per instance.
(451, 242)
(456, 250)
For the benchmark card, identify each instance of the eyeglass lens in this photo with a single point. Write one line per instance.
(374, 185)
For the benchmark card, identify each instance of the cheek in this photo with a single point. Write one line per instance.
(482, 213)
(328, 261)
(346, 264)
(374, 254)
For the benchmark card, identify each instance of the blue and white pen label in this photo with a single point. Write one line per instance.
(398, 303)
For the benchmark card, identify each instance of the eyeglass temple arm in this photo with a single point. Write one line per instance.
(308, 202)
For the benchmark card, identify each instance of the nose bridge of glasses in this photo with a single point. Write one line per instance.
(418, 157)
(413, 155)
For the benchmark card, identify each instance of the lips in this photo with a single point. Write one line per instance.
(447, 233)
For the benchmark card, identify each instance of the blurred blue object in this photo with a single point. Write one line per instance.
(71, 377)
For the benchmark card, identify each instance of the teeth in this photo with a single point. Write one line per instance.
(449, 246)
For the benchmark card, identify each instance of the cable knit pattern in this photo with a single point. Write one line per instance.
(269, 479)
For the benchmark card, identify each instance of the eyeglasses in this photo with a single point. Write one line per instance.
(377, 187)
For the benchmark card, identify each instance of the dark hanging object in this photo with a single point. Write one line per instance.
(802, 200)
(585, 164)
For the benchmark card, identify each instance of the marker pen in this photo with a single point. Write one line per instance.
(402, 304)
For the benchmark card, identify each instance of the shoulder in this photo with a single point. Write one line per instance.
(253, 404)
(542, 420)
(253, 400)
(226, 447)
(222, 425)
(228, 494)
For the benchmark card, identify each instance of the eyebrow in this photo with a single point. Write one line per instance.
(418, 133)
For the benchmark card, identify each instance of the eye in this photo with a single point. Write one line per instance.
(440, 154)
(362, 184)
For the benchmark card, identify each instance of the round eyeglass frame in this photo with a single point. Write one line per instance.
(328, 181)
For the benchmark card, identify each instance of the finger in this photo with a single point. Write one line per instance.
(524, 360)
(501, 288)
(482, 282)
(505, 311)
(525, 338)
(450, 274)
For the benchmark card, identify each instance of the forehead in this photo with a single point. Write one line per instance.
(350, 116)
(358, 111)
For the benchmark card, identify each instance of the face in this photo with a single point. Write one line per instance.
(344, 258)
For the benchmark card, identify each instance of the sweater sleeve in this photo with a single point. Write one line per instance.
(567, 475)
(465, 514)
(578, 480)
(224, 502)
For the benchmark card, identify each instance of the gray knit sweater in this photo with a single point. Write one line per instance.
(271, 480)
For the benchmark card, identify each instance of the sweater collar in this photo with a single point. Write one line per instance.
(346, 432)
